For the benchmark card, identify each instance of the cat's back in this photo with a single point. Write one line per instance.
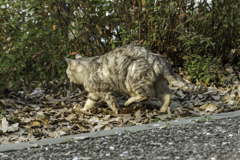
(124, 54)
(129, 51)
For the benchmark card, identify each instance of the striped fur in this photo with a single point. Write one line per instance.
(128, 70)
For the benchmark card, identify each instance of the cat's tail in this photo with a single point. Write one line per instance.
(172, 78)
(179, 82)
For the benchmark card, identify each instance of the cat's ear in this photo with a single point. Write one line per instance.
(71, 62)
(78, 56)
(68, 60)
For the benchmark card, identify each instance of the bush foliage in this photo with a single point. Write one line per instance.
(36, 35)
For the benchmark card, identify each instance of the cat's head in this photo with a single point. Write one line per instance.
(74, 69)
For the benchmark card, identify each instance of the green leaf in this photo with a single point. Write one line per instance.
(204, 67)
(207, 80)
(172, 3)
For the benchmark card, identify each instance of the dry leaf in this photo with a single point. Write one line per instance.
(4, 125)
(74, 53)
(211, 107)
(203, 107)
(1, 38)
(32, 138)
(107, 128)
(13, 127)
(98, 127)
(61, 133)
(105, 118)
(36, 123)
(5, 141)
(94, 120)
(138, 114)
(70, 117)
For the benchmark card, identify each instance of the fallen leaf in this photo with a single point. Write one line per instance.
(35, 123)
(211, 107)
(13, 127)
(203, 107)
(32, 138)
(4, 125)
(5, 141)
(107, 128)
(70, 117)
(99, 126)
(126, 110)
(61, 133)
(138, 114)
(94, 120)
(107, 117)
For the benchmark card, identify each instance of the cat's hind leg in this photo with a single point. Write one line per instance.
(163, 92)
(111, 101)
(138, 98)
(139, 82)
(143, 93)
(166, 99)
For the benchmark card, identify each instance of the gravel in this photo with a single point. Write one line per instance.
(213, 140)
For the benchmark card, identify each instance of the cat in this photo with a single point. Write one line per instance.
(127, 70)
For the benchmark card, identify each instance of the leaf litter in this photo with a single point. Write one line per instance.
(51, 111)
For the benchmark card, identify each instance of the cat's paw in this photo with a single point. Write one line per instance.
(163, 110)
(127, 103)
(115, 111)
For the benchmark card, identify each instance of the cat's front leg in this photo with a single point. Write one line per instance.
(89, 104)
(91, 101)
